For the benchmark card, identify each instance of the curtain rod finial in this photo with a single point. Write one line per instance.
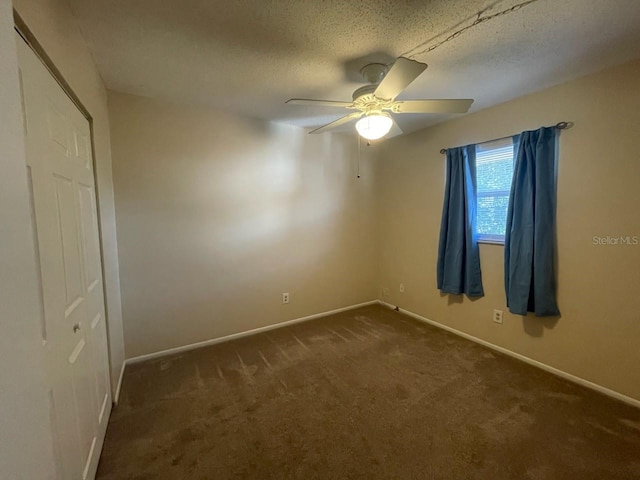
(443, 151)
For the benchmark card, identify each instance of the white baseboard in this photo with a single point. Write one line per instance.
(560, 373)
(233, 336)
(116, 397)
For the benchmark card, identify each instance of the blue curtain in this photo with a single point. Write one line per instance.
(529, 247)
(458, 253)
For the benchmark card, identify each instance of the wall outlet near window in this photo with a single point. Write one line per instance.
(285, 298)
(497, 316)
(402, 288)
(385, 292)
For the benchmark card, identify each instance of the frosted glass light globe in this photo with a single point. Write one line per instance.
(373, 127)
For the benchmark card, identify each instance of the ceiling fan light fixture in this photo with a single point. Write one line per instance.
(372, 101)
(373, 127)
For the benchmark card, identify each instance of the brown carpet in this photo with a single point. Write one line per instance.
(366, 394)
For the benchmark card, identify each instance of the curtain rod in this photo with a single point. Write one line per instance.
(559, 126)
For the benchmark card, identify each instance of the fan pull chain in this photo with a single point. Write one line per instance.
(358, 173)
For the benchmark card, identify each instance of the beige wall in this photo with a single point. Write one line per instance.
(598, 194)
(53, 24)
(24, 419)
(219, 215)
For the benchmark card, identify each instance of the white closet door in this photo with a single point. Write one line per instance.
(60, 169)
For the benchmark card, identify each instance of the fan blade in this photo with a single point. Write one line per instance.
(337, 123)
(318, 103)
(402, 73)
(432, 106)
(395, 130)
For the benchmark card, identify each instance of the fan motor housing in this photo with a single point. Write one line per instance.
(364, 98)
(362, 91)
(374, 72)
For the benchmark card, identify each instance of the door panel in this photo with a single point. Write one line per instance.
(89, 237)
(69, 238)
(56, 123)
(83, 397)
(57, 443)
(60, 168)
(101, 373)
(34, 229)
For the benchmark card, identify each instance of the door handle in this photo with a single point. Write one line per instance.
(76, 328)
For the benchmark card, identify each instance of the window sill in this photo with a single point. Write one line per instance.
(491, 242)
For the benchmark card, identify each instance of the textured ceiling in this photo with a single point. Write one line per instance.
(250, 56)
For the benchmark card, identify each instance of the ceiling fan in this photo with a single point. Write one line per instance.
(373, 102)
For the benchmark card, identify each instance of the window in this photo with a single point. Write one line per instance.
(494, 169)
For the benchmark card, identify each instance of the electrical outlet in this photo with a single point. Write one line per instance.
(497, 316)
(285, 298)
(402, 288)
(385, 292)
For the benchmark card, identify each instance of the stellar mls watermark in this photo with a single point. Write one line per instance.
(610, 240)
